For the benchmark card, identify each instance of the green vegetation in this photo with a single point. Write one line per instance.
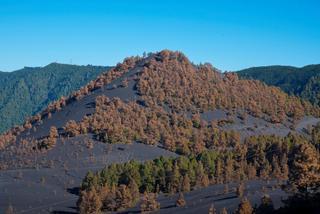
(173, 94)
(29, 90)
(208, 154)
(303, 82)
(201, 88)
(263, 157)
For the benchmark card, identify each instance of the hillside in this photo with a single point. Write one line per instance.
(302, 82)
(151, 124)
(27, 91)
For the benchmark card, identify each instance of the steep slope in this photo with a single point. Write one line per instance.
(167, 83)
(297, 81)
(48, 180)
(27, 91)
(214, 121)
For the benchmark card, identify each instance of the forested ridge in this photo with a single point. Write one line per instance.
(303, 82)
(171, 93)
(169, 80)
(211, 155)
(27, 91)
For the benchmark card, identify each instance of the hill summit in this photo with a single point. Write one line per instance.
(163, 85)
(153, 123)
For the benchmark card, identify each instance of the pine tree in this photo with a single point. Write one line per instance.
(89, 202)
(123, 197)
(212, 209)
(226, 189)
(90, 181)
(109, 201)
(51, 140)
(244, 207)
(251, 171)
(224, 211)
(218, 173)
(103, 192)
(147, 177)
(149, 203)
(276, 171)
(205, 180)
(181, 202)
(228, 169)
(53, 132)
(185, 183)
(202, 177)
(175, 179)
(72, 128)
(134, 189)
(240, 190)
(266, 205)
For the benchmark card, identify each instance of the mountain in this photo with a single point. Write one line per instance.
(27, 91)
(165, 130)
(302, 82)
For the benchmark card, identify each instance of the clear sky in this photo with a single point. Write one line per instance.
(230, 34)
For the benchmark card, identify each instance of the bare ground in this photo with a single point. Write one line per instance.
(49, 182)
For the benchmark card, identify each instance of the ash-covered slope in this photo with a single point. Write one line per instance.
(162, 100)
(167, 80)
(35, 178)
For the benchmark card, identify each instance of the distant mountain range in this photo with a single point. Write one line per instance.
(303, 82)
(27, 91)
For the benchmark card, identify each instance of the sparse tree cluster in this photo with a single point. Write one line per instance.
(51, 140)
(118, 122)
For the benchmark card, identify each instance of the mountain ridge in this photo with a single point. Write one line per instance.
(32, 88)
(302, 82)
(158, 87)
(153, 123)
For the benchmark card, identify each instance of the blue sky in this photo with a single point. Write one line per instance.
(229, 34)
